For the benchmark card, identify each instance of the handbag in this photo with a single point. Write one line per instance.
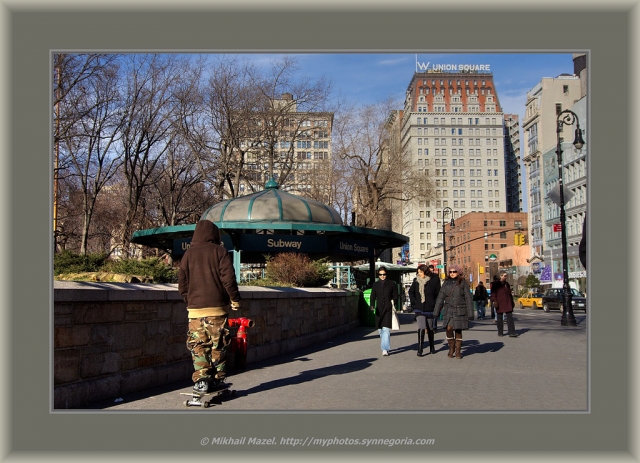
(395, 323)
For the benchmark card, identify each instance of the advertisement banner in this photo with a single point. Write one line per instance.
(545, 275)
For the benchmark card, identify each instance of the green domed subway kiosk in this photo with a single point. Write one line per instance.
(273, 221)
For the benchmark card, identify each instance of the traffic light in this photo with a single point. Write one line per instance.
(518, 239)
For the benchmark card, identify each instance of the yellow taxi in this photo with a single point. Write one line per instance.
(533, 300)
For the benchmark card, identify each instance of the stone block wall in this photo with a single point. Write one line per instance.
(112, 339)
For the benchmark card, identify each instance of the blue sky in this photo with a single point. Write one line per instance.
(366, 78)
(369, 77)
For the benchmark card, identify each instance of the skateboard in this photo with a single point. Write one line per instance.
(216, 399)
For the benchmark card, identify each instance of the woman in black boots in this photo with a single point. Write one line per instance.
(456, 303)
(422, 295)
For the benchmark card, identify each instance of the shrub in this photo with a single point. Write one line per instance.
(153, 267)
(67, 262)
(70, 262)
(299, 270)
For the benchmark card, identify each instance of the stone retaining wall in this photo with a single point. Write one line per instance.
(112, 339)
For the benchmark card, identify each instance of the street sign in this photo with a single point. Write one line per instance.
(439, 266)
(557, 227)
(554, 194)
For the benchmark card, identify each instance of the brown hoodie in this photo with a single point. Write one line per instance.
(207, 279)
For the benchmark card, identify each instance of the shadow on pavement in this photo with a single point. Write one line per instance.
(470, 347)
(310, 375)
(357, 334)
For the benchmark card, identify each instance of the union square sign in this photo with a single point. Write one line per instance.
(449, 67)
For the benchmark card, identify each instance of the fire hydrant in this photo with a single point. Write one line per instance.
(239, 343)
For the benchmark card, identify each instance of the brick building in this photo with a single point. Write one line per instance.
(478, 243)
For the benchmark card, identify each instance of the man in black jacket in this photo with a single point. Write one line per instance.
(207, 283)
(480, 297)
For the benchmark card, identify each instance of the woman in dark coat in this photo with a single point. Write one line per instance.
(383, 292)
(502, 300)
(456, 303)
(422, 294)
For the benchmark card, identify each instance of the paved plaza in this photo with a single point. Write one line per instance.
(544, 369)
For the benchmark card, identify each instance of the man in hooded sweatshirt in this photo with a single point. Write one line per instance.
(207, 283)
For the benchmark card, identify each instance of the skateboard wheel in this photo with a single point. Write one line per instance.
(205, 404)
(186, 403)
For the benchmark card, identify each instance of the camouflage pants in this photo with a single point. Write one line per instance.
(207, 340)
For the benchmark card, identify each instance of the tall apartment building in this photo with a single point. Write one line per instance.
(513, 176)
(301, 146)
(454, 127)
(544, 103)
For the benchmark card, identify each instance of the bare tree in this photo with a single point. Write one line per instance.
(88, 145)
(245, 126)
(224, 130)
(379, 169)
(71, 73)
(179, 192)
(87, 121)
(291, 106)
(148, 130)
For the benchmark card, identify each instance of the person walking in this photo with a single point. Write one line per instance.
(503, 301)
(480, 297)
(207, 283)
(422, 294)
(494, 315)
(383, 293)
(456, 303)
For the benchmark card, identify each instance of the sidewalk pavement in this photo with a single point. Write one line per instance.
(544, 369)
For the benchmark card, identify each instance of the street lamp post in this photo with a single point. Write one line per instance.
(566, 117)
(444, 241)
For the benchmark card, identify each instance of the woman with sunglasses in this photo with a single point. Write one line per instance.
(456, 303)
(383, 293)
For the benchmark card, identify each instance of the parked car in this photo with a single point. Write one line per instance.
(552, 299)
(530, 300)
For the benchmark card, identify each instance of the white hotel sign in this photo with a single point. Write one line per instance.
(428, 66)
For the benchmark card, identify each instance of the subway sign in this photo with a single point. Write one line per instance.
(352, 247)
(180, 245)
(289, 243)
(281, 243)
